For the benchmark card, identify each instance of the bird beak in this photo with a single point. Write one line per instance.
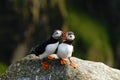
(64, 38)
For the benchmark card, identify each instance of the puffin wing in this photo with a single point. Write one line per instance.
(39, 49)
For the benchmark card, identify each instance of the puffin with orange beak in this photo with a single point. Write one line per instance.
(65, 49)
(48, 47)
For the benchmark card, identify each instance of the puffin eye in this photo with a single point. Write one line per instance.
(70, 36)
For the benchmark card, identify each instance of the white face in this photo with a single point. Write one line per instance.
(57, 34)
(70, 35)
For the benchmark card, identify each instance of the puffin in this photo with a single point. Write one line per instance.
(47, 48)
(65, 49)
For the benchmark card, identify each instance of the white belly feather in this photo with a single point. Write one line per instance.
(50, 49)
(64, 50)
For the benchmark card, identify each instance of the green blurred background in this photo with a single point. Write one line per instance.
(25, 23)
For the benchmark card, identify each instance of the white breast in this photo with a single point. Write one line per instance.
(64, 50)
(50, 49)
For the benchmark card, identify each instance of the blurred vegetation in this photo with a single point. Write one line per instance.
(2, 68)
(25, 23)
(93, 35)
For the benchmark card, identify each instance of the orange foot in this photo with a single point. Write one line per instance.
(50, 57)
(73, 64)
(63, 61)
(44, 65)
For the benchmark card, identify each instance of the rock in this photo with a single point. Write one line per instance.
(29, 68)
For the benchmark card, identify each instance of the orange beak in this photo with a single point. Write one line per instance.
(64, 38)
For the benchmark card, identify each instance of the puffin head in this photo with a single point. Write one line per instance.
(57, 34)
(70, 36)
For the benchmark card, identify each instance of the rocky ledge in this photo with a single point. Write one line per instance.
(29, 68)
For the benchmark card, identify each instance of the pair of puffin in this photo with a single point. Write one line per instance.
(63, 49)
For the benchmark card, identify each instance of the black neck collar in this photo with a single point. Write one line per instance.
(68, 42)
(53, 40)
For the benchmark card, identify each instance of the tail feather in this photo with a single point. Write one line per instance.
(32, 51)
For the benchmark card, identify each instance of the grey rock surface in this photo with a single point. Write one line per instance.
(29, 68)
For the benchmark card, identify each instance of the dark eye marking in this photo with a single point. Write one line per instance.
(70, 36)
(70, 33)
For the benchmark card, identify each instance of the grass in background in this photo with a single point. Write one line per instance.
(3, 67)
(94, 35)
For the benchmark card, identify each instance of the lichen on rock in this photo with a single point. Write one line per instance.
(29, 68)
